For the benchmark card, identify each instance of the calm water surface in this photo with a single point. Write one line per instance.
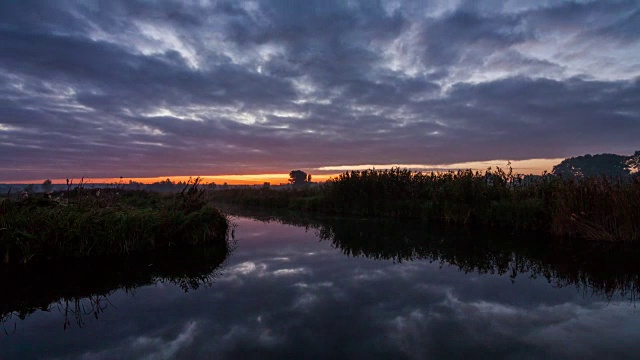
(290, 291)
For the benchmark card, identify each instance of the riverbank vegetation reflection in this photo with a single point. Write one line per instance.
(80, 288)
(595, 268)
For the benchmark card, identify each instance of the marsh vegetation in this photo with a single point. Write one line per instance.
(84, 222)
(593, 208)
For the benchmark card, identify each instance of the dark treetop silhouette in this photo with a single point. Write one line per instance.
(299, 178)
(611, 165)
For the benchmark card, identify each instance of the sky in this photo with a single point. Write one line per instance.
(176, 88)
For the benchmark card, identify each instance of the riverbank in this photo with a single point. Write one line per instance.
(595, 208)
(105, 222)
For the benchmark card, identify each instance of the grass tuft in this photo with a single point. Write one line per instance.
(105, 222)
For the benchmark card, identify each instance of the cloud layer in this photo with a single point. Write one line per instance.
(125, 88)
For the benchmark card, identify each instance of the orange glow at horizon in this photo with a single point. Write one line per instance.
(529, 166)
(251, 179)
(321, 174)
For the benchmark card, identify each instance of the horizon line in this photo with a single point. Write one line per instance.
(531, 166)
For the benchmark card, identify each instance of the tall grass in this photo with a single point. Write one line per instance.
(598, 209)
(594, 208)
(105, 222)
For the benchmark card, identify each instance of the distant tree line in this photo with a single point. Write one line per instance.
(610, 165)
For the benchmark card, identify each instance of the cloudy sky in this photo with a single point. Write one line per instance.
(145, 89)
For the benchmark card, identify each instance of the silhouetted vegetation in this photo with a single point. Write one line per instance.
(299, 178)
(266, 196)
(100, 222)
(81, 287)
(47, 185)
(596, 208)
(610, 165)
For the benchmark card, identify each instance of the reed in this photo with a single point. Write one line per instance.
(105, 222)
(596, 208)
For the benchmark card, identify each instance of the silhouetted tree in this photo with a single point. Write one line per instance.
(47, 186)
(297, 177)
(594, 165)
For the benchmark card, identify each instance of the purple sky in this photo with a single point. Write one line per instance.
(139, 88)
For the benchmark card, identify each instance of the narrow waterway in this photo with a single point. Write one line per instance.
(345, 288)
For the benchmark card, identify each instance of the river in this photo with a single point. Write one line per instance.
(340, 288)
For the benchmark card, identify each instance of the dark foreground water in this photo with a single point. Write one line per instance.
(336, 288)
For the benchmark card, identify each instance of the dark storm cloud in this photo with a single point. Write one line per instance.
(140, 89)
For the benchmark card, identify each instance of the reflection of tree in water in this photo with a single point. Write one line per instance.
(81, 288)
(601, 269)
